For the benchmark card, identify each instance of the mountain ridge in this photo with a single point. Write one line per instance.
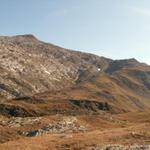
(28, 48)
(59, 98)
(35, 67)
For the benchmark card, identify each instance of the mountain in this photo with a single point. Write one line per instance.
(70, 99)
(29, 66)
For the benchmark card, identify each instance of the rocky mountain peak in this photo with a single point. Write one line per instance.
(34, 66)
(25, 37)
(29, 66)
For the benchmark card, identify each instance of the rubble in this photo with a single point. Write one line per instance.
(67, 124)
(19, 121)
(119, 147)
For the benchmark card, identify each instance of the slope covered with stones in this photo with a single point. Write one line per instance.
(29, 66)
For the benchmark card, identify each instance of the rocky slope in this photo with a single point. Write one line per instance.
(29, 66)
(54, 98)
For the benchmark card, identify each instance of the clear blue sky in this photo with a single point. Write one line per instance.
(112, 28)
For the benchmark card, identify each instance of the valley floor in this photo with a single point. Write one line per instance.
(92, 132)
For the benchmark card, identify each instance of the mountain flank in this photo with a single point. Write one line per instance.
(56, 98)
(32, 68)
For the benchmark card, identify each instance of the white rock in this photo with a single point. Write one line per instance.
(99, 69)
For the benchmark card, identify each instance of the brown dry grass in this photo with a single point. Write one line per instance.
(125, 129)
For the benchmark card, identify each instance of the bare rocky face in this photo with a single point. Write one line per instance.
(29, 66)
